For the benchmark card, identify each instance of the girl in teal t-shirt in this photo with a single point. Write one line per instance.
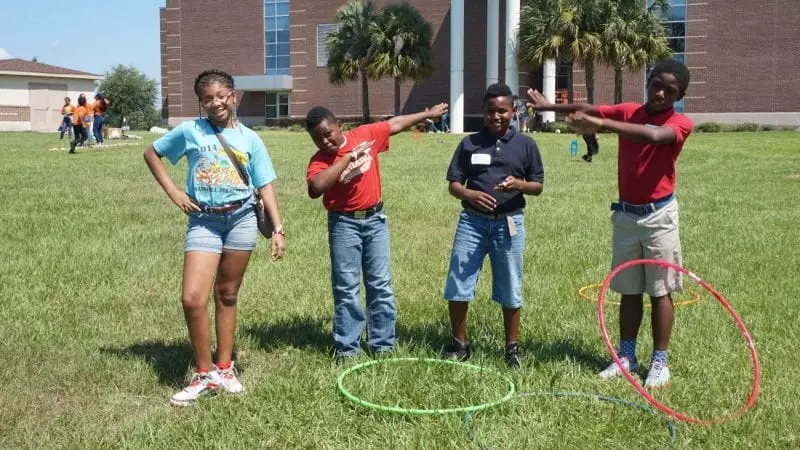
(222, 227)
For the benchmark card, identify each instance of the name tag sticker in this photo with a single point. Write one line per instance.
(481, 159)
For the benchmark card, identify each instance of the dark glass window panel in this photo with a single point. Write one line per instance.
(283, 62)
(675, 29)
(677, 45)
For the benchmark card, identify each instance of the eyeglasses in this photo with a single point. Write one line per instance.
(209, 102)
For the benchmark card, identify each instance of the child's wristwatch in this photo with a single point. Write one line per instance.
(279, 230)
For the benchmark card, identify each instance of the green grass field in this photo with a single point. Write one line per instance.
(93, 342)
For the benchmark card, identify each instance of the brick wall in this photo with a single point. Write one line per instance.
(743, 56)
(15, 113)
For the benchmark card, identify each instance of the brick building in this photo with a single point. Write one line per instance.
(743, 57)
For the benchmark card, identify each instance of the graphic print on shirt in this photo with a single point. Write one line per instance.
(214, 169)
(359, 166)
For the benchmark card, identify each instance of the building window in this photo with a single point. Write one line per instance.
(674, 20)
(276, 37)
(277, 105)
(323, 30)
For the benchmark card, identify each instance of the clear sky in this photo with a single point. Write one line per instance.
(91, 36)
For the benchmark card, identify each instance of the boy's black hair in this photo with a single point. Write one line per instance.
(673, 67)
(81, 100)
(318, 114)
(208, 77)
(497, 90)
(67, 99)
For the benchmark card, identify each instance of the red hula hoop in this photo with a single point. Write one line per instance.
(663, 408)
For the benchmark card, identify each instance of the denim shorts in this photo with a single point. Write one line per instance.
(476, 236)
(214, 233)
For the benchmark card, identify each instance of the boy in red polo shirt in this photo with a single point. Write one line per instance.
(345, 171)
(645, 220)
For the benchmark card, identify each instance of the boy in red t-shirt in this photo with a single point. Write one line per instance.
(645, 220)
(345, 171)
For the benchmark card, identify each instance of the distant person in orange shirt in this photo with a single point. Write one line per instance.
(66, 121)
(100, 105)
(80, 116)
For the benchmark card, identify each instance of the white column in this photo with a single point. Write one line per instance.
(492, 41)
(457, 66)
(512, 27)
(549, 88)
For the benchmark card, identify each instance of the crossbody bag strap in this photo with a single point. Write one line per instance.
(234, 160)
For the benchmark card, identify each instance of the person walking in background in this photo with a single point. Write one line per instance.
(79, 115)
(100, 105)
(66, 121)
(592, 147)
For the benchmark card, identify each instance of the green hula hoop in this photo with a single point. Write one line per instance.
(397, 410)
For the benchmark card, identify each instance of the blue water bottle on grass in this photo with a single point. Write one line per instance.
(573, 149)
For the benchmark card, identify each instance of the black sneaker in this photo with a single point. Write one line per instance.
(72, 147)
(512, 355)
(457, 351)
(587, 158)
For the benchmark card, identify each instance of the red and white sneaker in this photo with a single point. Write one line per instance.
(613, 370)
(201, 384)
(229, 380)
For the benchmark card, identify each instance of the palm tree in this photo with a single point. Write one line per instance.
(403, 47)
(633, 37)
(351, 48)
(565, 30)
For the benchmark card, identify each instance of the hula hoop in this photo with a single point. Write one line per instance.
(614, 400)
(751, 400)
(695, 296)
(421, 411)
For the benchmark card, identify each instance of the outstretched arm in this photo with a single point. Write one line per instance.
(633, 131)
(540, 103)
(400, 123)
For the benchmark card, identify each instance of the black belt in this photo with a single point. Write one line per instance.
(221, 209)
(364, 213)
(642, 210)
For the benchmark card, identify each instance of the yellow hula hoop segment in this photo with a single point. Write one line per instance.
(582, 292)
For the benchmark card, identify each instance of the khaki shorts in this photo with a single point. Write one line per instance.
(654, 236)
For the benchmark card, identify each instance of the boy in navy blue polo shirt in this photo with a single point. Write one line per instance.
(490, 171)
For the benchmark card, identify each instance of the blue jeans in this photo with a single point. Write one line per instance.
(66, 127)
(97, 128)
(356, 245)
(477, 235)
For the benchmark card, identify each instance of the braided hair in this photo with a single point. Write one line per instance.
(208, 77)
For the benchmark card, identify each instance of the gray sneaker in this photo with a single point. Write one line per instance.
(657, 376)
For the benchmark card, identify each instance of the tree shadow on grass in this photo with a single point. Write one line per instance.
(302, 332)
(170, 361)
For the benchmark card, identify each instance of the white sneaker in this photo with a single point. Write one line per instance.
(200, 385)
(229, 380)
(613, 370)
(657, 376)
